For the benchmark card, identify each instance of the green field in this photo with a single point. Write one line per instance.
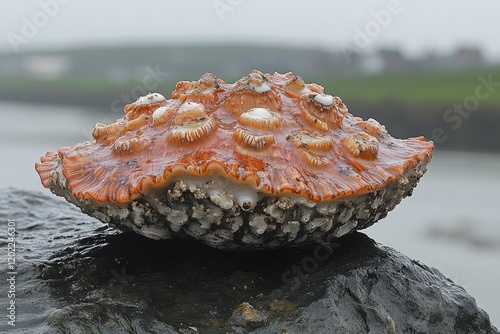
(427, 87)
(415, 88)
(62, 85)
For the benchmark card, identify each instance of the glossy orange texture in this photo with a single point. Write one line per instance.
(316, 149)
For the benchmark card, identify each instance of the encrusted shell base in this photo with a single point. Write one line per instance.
(208, 212)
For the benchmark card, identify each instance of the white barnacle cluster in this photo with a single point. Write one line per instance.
(221, 191)
(209, 208)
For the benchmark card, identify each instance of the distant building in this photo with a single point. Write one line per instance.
(385, 61)
(393, 60)
(46, 66)
(468, 57)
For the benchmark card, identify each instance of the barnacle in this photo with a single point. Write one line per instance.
(315, 141)
(313, 159)
(373, 127)
(192, 131)
(105, 132)
(161, 115)
(127, 145)
(257, 142)
(201, 91)
(320, 110)
(252, 91)
(191, 123)
(260, 118)
(143, 104)
(361, 145)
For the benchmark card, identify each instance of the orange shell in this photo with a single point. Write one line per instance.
(315, 151)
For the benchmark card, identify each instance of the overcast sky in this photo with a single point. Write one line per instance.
(416, 26)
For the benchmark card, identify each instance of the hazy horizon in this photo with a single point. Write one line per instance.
(414, 27)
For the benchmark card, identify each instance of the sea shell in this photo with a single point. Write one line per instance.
(265, 162)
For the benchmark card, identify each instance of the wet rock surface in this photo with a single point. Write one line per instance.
(76, 276)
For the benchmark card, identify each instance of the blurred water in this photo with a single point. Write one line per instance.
(450, 223)
(27, 131)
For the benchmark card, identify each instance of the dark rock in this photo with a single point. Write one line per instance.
(74, 276)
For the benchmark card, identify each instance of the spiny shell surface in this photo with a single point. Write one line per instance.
(262, 163)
